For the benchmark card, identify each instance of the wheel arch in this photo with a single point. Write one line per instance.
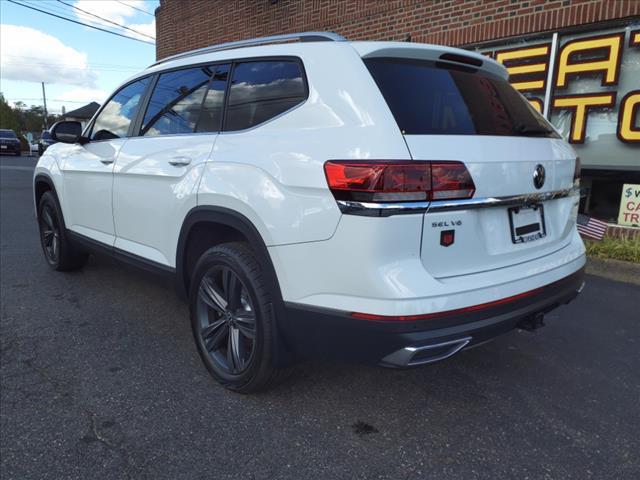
(43, 183)
(218, 225)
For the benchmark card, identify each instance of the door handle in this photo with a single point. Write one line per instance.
(106, 161)
(180, 161)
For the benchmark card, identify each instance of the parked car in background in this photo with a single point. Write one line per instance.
(384, 202)
(9, 142)
(45, 141)
(34, 147)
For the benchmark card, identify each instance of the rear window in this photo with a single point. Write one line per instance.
(7, 134)
(261, 90)
(431, 99)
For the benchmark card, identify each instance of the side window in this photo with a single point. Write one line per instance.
(114, 119)
(261, 90)
(175, 104)
(211, 115)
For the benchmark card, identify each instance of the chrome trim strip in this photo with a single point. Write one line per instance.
(302, 36)
(388, 209)
(510, 201)
(381, 209)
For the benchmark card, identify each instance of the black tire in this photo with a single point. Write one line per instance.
(223, 334)
(17, 154)
(40, 150)
(59, 252)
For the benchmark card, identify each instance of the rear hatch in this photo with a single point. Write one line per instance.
(456, 111)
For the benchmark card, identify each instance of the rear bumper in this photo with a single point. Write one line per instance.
(313, 332)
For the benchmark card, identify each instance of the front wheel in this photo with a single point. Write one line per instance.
(59, 252)
(232, 318)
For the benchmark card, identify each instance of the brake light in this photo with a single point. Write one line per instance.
(576, 172)
(398, 181)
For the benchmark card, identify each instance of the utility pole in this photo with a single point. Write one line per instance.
(44, 100)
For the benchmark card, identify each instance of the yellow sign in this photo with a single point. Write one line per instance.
(630, 205)
(599, 55)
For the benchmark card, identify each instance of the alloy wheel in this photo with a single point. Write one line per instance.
(50, 234)
(226, 320)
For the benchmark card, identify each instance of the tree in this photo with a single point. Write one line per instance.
(23, 119)
(8, 116)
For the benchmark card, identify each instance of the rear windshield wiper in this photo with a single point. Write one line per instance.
(532, 130)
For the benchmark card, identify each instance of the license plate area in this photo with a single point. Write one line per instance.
(527, 223)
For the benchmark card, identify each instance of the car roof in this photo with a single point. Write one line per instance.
(282, 45)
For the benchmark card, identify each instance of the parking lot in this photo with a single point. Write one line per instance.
(100, 379)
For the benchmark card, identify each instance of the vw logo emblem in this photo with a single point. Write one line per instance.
(539, 176)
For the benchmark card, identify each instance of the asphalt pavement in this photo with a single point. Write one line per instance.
(99, 378)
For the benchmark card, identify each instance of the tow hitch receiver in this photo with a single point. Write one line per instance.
(532, 322)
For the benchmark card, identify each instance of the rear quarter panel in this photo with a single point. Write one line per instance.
(274, 173)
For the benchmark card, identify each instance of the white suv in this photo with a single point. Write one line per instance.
(383, 202)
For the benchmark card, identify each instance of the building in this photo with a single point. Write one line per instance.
(577, 61)
(82, 114)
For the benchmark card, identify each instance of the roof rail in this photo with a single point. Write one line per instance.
(302, 36)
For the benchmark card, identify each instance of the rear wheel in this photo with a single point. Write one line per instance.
(232, 318)
(58, 250)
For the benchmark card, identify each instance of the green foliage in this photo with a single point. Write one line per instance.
(8, 116)
(624, 248)
(22, 119)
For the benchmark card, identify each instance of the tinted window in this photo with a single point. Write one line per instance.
(428, 99)
(114, 120)
(175, 104)
(211, 115)
(7, 134)
(261, 90)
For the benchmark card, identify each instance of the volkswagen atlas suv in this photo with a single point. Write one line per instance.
(382, 202)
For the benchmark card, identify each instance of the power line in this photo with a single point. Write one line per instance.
(62, 10)
(136, 8)
(106, 20)
(91, 64)
(71, 67)
(30, 99)
(80, 23)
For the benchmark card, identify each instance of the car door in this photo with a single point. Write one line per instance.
(88, 168)
(157, 171)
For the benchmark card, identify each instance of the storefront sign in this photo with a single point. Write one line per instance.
(590, 86)
(630, 205)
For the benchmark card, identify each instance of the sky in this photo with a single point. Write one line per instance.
(78, 64)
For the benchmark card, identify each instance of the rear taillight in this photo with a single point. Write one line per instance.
(398, 181)
(576, 173)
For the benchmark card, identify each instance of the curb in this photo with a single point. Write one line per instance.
(614, 269)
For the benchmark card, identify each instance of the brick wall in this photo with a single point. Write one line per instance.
(187, 24)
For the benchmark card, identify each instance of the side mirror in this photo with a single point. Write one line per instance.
(66, 131)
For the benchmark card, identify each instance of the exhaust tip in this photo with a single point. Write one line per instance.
(414, 356)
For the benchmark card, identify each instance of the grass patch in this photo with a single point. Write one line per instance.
(626, 249)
